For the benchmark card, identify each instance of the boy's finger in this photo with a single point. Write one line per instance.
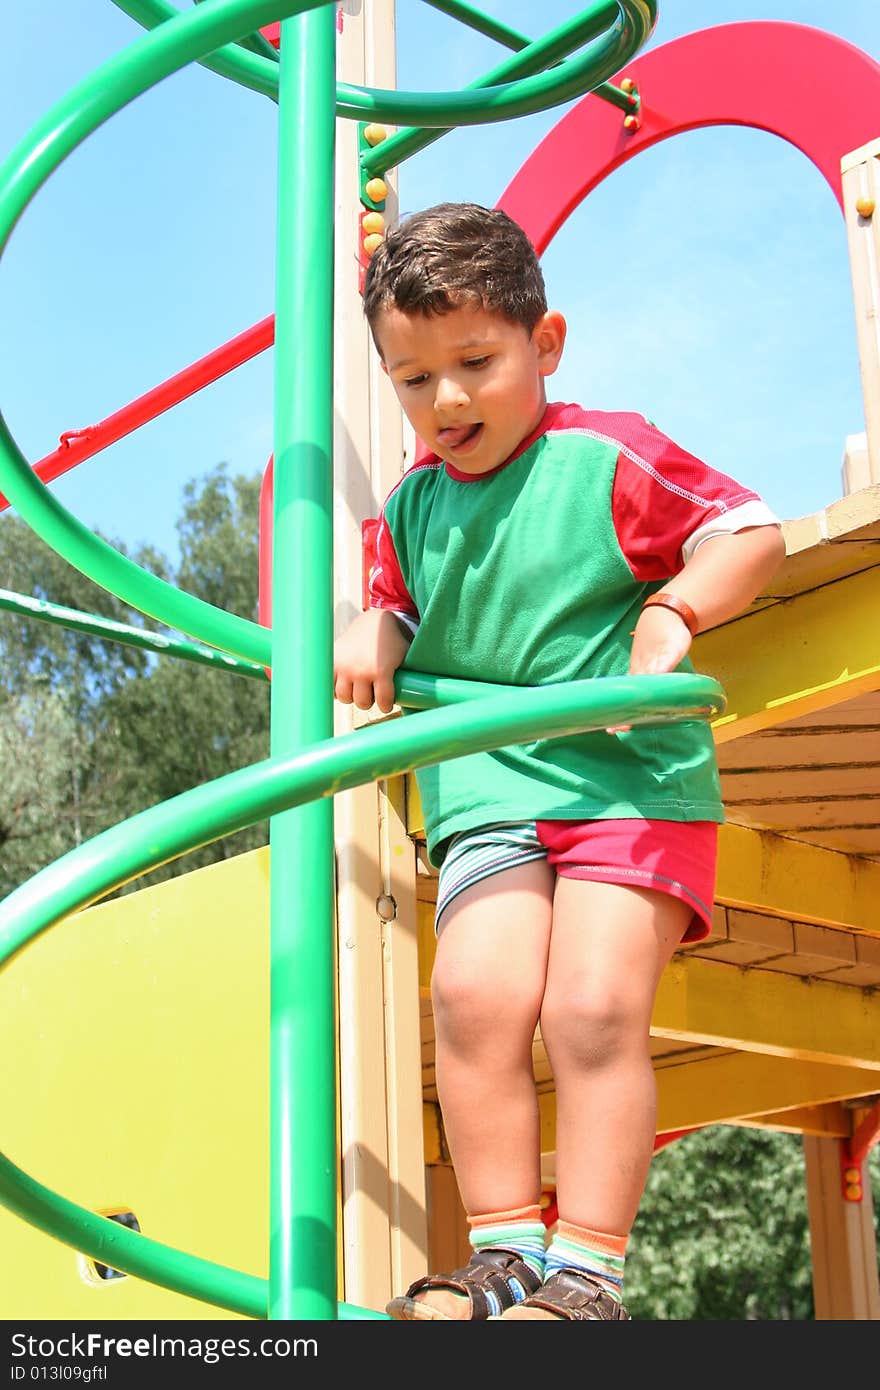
(384, 693)
(363, 694)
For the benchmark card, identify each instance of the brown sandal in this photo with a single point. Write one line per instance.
(488, 1272)
(571, 1294)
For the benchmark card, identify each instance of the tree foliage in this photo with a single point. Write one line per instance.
(723, 1230)
(95, 731)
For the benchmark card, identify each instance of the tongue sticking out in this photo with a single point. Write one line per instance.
(454, 437)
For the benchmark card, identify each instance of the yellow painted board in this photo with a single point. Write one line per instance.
(822, 1121)
(140, 1035)
(794, 657)
(742, 1085)
(703, 1001)
(770, 873)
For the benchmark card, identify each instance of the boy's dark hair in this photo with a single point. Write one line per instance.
(455, 254)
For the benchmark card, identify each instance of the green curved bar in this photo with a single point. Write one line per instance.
(474, 106)
(631, 22)
(101, 1239)
(93, 626)
(251, 70)
(510, 38)
(240, 798)
(230, 803)
(154, 56)
(531, 57)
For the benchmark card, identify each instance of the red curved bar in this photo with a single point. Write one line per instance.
(814, 90)
(811, 88)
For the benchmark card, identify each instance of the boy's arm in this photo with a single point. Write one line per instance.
(366, 657)
(721, 578)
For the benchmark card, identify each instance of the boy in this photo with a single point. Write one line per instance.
(542, 543)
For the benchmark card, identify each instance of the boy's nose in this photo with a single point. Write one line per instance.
(449, 394)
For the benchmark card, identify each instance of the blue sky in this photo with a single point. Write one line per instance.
(706, 283)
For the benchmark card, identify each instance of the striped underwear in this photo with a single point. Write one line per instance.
(674, 857)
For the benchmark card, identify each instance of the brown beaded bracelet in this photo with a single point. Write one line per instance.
(664, 599)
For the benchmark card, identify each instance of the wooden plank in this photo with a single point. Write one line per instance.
(763, 1011)
(815, 651)
(797, 881)
(727, 1086)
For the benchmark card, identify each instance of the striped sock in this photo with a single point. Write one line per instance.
(596, 1253)
(521, 1230)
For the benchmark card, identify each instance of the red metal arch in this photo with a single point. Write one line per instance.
(811, 88)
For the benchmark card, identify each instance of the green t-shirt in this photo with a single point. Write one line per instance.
(535, 573)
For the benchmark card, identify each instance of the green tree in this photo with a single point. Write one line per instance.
(39, 767)
(723, 1230)
(82, 669)
(179, 725)
(122, 729)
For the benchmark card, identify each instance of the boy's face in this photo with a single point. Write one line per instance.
(471, 382)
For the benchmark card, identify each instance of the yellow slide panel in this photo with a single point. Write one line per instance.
(139, 1031)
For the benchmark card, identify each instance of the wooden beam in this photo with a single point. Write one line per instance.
(765, 1011)
(796, 656)
(819, 1121)
(748, 1089)
(763, 872)
(743, 1085)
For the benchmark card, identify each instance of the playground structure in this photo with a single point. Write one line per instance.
(772, 1021)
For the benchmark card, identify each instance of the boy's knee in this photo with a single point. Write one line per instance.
(594, 1031)
(469, 1001)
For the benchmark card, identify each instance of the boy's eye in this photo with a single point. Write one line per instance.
(476, 361)
(416, 380)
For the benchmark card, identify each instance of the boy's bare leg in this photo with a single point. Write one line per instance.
(609, 946)
(486, 989)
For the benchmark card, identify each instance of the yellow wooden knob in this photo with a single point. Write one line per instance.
(631, 123)
(374, 134)
(627, 85)
(373, 222)
(865, 207)
(376, 190)
(371, 242)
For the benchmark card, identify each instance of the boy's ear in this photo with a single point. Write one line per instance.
(549, 335)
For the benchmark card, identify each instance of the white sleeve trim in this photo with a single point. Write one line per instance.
(747, 514)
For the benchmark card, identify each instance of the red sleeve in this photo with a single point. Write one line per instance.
(386, 587)
(661, 495)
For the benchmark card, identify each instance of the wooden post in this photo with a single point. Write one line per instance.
(845, 1280)
(860, 172)
(384, 1236)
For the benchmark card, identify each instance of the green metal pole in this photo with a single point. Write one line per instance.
(302, 1265)
(110, 631)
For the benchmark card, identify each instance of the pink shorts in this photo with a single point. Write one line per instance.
(669, 856)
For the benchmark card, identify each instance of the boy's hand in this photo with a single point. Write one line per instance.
(660, 641)
(365, 658)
